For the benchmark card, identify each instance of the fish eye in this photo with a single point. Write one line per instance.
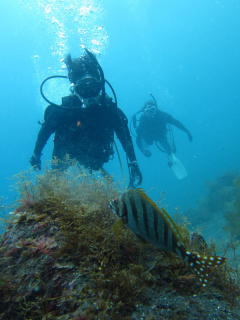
(115, 201)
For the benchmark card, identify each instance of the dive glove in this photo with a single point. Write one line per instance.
(135, 174)
(35, 162)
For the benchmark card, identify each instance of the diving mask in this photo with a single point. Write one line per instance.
(150, 111)
(88, 87)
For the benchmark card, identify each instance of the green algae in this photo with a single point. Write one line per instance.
(61, 260)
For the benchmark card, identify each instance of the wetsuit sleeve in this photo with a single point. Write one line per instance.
(178, 124)
(123, 134)
(175, 122)
(48, 127)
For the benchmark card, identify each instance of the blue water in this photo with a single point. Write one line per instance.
(185, 52)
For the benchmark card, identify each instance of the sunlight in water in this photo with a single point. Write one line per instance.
(67, 18)
(62, 27)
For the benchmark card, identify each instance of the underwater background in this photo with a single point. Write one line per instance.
(186, 53)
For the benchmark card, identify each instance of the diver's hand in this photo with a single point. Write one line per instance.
(147, 153)
(189, 136)
(35, 162)
(135, 174)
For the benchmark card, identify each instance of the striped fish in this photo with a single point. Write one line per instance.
(142, 215)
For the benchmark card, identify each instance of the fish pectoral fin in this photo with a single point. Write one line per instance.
(117, 228)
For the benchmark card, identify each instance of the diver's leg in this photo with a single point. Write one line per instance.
(168, 149)
(145, 148)
(166, 146)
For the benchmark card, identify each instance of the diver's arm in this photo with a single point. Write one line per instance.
(123, 134)
(139, 142)
(48, 127)
(179, 125)
(141, 129)
(42, 138)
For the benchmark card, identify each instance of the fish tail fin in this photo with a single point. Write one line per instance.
(201, 265)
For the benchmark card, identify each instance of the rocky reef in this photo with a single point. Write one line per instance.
(61, 260)
(219, 208)
(232, 215)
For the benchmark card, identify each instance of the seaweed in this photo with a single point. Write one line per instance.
(60, 259)
(233, 216)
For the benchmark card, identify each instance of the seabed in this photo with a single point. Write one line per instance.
(61, 260)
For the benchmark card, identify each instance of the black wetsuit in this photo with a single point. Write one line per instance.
(152, 129)
(84, 134)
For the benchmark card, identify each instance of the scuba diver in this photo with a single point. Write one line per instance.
(85, 122)
(154, 125)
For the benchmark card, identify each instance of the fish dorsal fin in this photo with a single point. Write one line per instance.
(163, 213)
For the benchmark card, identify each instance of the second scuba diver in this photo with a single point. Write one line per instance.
(85, 123)
(153, 126)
